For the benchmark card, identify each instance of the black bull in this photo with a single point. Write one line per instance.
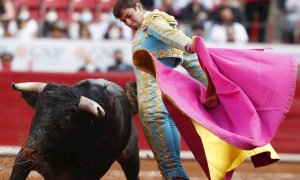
(78, 131)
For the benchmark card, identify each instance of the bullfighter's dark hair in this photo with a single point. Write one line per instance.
(124, 4)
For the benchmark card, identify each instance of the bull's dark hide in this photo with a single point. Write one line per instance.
(67, 143)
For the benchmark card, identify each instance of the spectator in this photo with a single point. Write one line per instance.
(24, 27)
(148, 4)
(228, 30)
(257, 9)
(194, 13)
(238, 15)
(191, 13)
(114, 32)
(51, 17)
(209, 4)
(6, 60)
(84, 33)
(168, 7)
(106, 21)
(58, 30)
(292, 28)
(85, 24)
(177, 5)
(119, 65)
(89, 65)
(100, 26)
(198, 30)
(7, 13)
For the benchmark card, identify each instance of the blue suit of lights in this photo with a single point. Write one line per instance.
(159, 35)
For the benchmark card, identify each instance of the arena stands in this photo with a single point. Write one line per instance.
(33, 5)
(65, 8)
(61, 7)
(204, 13)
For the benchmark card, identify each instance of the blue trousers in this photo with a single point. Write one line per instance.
(160, 131)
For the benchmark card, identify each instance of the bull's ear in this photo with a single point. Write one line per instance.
(30, 98)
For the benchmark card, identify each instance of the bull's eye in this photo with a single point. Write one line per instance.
(64, 122)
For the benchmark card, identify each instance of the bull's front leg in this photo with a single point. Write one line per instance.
(22, 167)
(130, 159)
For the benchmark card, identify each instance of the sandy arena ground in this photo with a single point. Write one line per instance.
(149, 171)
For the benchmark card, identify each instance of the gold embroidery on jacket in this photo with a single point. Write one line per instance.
(156, 13)
(168, 53)
(170, 36)
(136, 41)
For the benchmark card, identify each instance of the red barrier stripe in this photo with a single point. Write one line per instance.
(15, 114)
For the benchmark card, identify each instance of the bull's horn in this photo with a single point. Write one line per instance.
(36, 87)
(91, 106)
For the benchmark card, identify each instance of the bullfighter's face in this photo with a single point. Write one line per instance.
(133, 17)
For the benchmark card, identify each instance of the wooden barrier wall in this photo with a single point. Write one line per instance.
(15, 114)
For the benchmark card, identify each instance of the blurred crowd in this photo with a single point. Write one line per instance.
(218, 21)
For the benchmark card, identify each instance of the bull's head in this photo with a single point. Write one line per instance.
(56, 106)
(37, 87)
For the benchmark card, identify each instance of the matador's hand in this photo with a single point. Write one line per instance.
(190, 48)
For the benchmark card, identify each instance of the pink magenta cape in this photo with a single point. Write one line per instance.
(254, 90)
